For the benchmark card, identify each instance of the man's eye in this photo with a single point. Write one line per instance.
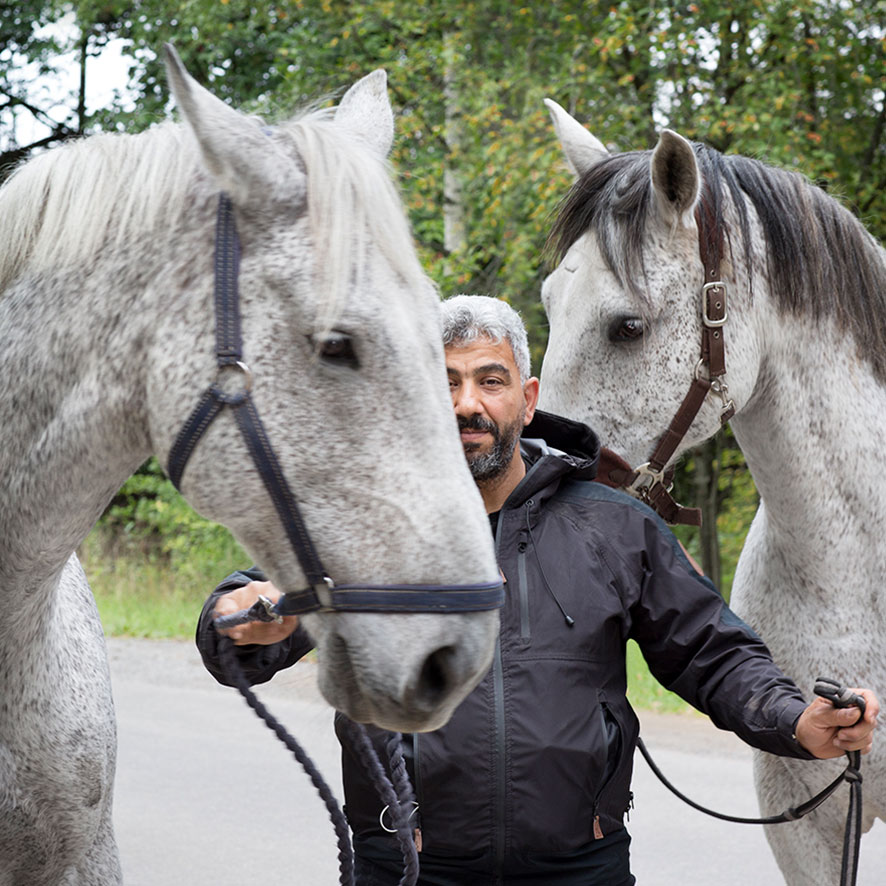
(626, 329)
(338, 348)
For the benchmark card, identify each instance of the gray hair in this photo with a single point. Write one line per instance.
(467, 318)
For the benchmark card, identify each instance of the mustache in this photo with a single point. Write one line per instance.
(477, 423)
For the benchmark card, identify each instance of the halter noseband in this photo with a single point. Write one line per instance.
(649, 481)
(322, 594)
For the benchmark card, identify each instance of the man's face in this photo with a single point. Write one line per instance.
(491, 405)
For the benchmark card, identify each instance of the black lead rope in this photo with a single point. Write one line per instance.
(840, 697)
(397, 796)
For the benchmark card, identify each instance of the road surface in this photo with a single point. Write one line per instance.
(207, 796)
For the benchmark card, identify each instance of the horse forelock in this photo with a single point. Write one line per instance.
(354, 208)
(821, 261)
(611, 199)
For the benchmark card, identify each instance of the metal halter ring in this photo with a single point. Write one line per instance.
(239, 395)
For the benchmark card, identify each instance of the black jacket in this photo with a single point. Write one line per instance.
(539, 757)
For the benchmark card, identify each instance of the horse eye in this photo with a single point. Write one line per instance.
(338, 347)
(626, 329)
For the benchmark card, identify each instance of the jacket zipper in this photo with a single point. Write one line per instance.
(523, 589)
(598, 831)
(419, 795)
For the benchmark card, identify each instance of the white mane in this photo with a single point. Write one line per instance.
(68, 202)
(111, 189)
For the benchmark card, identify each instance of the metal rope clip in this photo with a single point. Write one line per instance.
(721, 389)
(644, 480)
(266, 610)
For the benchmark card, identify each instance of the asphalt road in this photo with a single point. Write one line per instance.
(207, 796)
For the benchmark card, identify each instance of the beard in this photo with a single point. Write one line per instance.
(486, 466)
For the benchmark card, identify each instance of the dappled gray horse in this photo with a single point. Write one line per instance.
(804, 326)
(107, 325)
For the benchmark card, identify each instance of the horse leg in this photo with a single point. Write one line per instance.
(809, 850)
(101, 864)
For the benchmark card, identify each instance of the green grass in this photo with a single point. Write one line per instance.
(151, 595)
(645, 692)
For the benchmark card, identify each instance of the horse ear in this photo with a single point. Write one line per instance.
(366, 110)
(676, 179)
(232, 144)
(581, 149)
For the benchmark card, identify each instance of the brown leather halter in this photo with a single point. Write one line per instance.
(650, 482)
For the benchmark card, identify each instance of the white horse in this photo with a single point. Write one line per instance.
(805, 357)
(107, 331)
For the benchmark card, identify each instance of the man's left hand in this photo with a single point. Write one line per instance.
(826, 731)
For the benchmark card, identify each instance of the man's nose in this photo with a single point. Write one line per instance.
(467, 401)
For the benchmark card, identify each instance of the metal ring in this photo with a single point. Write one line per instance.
(394, 830)
(240, 395)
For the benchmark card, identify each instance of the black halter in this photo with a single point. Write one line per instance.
(322, 593)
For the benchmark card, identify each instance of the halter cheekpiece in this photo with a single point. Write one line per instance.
(650, 481)
(322, 593)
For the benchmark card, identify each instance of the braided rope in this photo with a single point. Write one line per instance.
(399, 800)
(234, 673)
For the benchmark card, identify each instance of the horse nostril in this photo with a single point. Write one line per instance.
(434, 680)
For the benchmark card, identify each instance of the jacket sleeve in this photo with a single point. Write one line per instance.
(259, 663)
(698, 647)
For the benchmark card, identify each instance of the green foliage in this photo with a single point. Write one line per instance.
(141, 594)
(736, 504)
(148, 518)
(152, 561)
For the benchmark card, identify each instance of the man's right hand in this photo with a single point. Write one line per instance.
(262, 632)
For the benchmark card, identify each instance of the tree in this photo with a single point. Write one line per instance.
(797, 83)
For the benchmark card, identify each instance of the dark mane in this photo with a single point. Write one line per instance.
(822, 262)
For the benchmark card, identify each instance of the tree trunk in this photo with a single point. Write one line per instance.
(81, 99)
(453, 200)
(707, 476)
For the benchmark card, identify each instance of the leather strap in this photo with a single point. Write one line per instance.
(647, 482)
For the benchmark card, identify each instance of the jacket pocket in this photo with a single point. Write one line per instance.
(613, 735)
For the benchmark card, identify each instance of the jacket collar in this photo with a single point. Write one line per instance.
(554, 447)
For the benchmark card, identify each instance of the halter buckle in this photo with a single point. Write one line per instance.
(710, 322)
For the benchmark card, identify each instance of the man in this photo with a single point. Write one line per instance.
(530, 780)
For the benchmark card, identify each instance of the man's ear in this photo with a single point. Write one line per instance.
(530, 395)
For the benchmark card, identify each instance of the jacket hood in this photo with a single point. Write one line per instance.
(553, 448)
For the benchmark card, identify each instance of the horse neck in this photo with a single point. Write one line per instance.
(74, 423)
(813, 435)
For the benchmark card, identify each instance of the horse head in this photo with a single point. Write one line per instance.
(341, 335)
(625, 301)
